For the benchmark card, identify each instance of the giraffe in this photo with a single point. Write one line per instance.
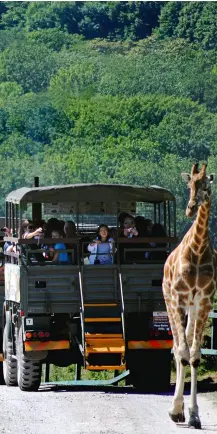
(189, 284)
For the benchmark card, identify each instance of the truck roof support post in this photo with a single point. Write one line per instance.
(36, 207)
(6, 214)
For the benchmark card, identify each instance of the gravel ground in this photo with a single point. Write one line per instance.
(95, 412)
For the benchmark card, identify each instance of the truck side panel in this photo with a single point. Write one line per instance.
(142, 287)
(52, 289)
(43, 289)
(12, 282)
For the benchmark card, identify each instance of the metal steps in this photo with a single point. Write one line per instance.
(104, 338)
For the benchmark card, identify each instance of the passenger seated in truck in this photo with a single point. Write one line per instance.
(36, 233)
(102, 247)
(122, 217)
(52, 225)
(61, 225)
(113, 233)
(159, 231)
(59, 257)
(43, 225)
(128, 231)
(70, 229)
(71, 232)
(140, 248)
(140, 223)
(32, 232)
(23, 228)
(8, 245)
(148, 233)
(129, 227)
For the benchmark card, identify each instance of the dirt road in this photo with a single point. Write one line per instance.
(116, 411)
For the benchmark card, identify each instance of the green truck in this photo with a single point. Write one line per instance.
(100, 317)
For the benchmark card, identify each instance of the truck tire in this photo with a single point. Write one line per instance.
(150, 370)
(2, 381)
(9, 364)
(28, 371)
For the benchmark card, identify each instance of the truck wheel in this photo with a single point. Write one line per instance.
(28, 371)
(1, 375)
(9, 364)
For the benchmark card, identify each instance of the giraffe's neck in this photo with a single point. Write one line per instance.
(200, 234)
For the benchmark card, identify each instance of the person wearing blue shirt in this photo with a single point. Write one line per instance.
(59, 257)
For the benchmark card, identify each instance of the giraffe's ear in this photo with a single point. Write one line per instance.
(186, 177)
(211, 178)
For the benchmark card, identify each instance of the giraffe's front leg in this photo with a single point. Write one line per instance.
(193, 344)
(199, 324)
(176, 412)
(195, 355)
(183, 354)
(194, 420)
(182, 357)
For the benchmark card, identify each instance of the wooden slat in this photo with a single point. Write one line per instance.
(102, 320)
(106, 367)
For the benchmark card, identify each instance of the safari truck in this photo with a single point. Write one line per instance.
(2, 295)
(99, 317)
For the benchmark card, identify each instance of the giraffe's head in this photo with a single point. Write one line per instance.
(200, 188)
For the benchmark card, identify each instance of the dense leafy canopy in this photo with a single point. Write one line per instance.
(107, 92)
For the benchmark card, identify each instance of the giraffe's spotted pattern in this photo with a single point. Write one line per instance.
(189, 285)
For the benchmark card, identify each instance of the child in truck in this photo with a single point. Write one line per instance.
(129, 227)
(101, 248)
(59, 257)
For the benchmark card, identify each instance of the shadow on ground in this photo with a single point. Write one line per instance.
(204, 386)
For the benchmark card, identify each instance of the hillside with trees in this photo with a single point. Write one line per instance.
(107, 92)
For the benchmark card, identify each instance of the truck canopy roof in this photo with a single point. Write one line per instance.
(91, 193)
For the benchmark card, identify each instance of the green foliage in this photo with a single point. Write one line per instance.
(45, 15)
(173, 68)
(206, 28)
(13, 14)
(169, 19)
(186, 129)
(68, 374)
(188, 20)
(194, 21)
(122, 107)
(108, 92)
(54, 38)
(119, 20)
(8, 91)
(17, 145)
(29, 64)
(3, 9)
(116, 20)
(77, 80)
(7, 37)
(2, 124)
(35, 117)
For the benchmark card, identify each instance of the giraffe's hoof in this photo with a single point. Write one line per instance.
(195, 363)
(194, 422)
(180, 417)
(184, 362)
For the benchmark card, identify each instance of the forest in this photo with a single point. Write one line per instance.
(117, 92)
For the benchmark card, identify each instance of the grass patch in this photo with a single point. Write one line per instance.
(68, 374)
